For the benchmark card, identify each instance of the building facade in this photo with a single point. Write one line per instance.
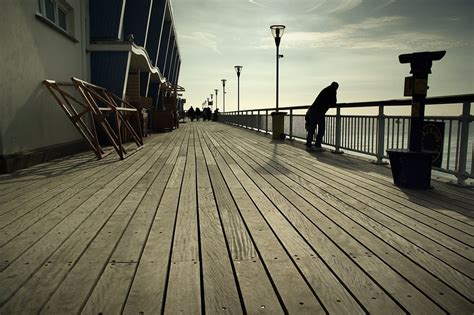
(129, 47)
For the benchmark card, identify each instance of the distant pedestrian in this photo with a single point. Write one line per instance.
(191, 113)
(198, 113)
(215, 116)
(316, 113)
(206, 114)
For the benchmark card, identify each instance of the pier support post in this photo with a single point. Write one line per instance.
(337, 149)
(465, 120)
(380, 137)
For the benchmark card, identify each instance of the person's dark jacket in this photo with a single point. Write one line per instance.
(325, 99)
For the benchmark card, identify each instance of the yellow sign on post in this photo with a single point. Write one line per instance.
(420, 86)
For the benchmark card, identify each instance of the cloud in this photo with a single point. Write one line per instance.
(256, 3)
(204, 39)
(316, 6)
(345, 6)
(372, 33)
(385, 4)
(335, 6)
(340, 37)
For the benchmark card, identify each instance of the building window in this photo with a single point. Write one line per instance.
(50, 10)
(58, 12)
(62, 19)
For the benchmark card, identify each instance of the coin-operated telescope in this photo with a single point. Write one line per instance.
(412, 168)
(417, 87)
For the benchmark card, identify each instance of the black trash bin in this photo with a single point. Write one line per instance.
(411, 169)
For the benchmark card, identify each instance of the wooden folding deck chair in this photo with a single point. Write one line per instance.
(98, 104)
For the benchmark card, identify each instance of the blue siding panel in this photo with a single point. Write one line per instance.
(105, 19)
(174, 64)
(165, 35)
(154, 29)
(177, 72)
(169, 56)
(108, 70)
(136, 20)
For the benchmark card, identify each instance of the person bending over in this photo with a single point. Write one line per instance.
(315, 116)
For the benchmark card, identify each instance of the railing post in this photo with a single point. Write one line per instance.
(337, 149)
(258, 120)
(291, 125)
(380, 136)
(464, 120)
(266, 121)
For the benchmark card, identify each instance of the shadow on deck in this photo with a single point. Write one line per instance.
(212, 218)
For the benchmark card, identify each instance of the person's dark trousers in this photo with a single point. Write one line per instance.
(310, 128)
(320, 121)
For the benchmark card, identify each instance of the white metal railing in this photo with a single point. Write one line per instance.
(373, 134)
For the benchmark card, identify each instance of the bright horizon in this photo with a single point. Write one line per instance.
(353, 42)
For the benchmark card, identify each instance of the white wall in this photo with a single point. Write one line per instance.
(30, 52)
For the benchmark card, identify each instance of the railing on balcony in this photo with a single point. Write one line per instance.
(373, 134)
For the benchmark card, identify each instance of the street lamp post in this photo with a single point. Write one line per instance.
(278, 118)
(223, 94)
(238, 69)
(277, 32)
(216, 90)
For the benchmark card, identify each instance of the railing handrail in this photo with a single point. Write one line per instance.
(370, 134)
(435, 100)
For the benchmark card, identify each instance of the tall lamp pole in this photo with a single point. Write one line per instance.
(223, 94)
(216, 90)
(277, 32)
(238, 69)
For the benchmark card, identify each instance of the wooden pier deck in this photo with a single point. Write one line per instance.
(216, 219)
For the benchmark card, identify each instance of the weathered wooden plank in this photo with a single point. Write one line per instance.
(88, 200)
(72, 241)
(148, 289)
(186, 244)
(458, 200)
(113, 285)
(420, 279)
(183, 296)
(295, 294)
(456, 247)
(46, 190)
(238, 239)
(343, 203)
(337, 299)
(70, 198)
(184, 285)
(149, 285)
(257, 292)
(219, 284)
(279, 229)
(446, 194)
(131, 243)
(101, 247)
(17, 184)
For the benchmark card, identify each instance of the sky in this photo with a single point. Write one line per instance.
(353, 42)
